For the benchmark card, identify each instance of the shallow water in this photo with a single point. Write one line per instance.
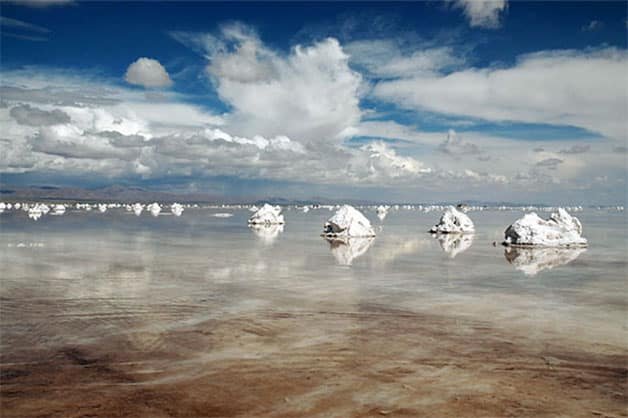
(115, 283)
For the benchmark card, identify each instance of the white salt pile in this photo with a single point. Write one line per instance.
(560, 230)
(532, 261)
(37, 211)
(176, 209)
(58, 209)
(348, 222)
(253, 208)
(154, 208)
(267, 215)
(137, 209)
(454, 244)
(453, 221)
(347, 249)
(102, 207)
(382, 211)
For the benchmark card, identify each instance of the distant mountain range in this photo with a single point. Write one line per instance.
(111, 193)
(137, 194)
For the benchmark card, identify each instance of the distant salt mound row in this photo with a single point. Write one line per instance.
(560, 230)
(348, 222)
(267, 215)
(347, 249)
(531, 261)
(453, 221)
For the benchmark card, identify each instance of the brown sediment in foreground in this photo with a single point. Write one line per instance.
(372, 361)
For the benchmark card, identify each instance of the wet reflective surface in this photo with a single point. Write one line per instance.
(109, 314)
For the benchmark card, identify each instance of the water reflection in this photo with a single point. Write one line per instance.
(268, 233)
(454, 244)
(532, 261)
(391, 248)
(345, 250)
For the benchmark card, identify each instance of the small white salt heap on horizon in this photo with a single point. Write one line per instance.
(382, 211)
(154, 208)
(560, 230)
(137, 209)
(102, 207)
(176, 209)
(267, 215)
(58, 210)
(348, 222)
(453, 221)
(37, 211)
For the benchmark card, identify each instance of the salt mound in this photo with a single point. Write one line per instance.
(347, 249)
(58, 210)
(154, 208)
(102, 208)
(532, 261)
(176, 209)
(453, 221)
(37, 211)
(137, 209)
(348, 222)
(454, 244)
(560, 230)
(267, 215)
(382, 211)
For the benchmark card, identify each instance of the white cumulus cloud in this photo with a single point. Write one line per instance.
(579, 88)
(482, 13)
(148, 73)
(310, 94)
(386, 58)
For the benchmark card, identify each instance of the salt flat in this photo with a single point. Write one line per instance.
(112, 314)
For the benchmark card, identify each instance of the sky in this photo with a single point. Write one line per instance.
(407, 102)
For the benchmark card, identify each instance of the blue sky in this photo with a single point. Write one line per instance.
(486, 100)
